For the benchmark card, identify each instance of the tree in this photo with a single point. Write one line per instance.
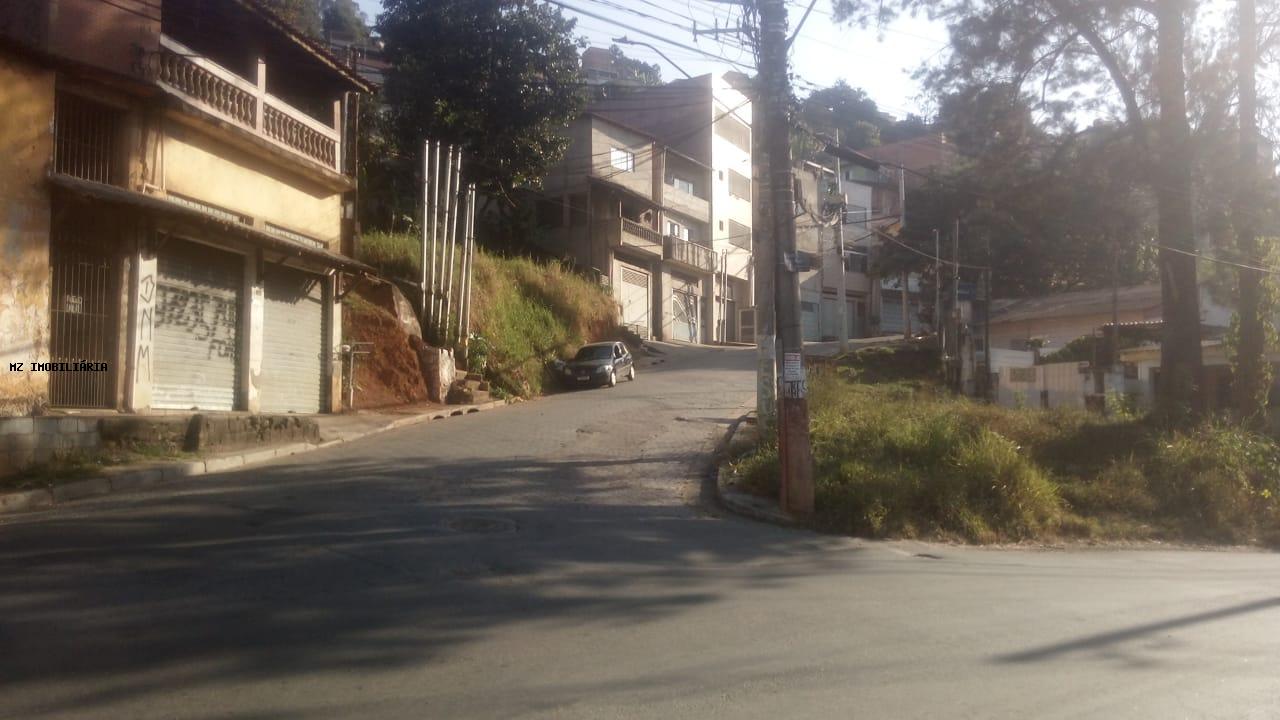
(303, 15)
(343, 19)
(633, 71)
(1252, 373)
(1063, 49)
(499, 78)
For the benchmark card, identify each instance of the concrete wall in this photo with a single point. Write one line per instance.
(726, 156)
(30, 441)
(26, 144)
(198, 166)
(606, 136)
(1061, 384)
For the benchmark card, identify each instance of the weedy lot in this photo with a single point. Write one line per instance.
(895, 455)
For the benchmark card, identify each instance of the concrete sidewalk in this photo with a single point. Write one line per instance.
(334, 429)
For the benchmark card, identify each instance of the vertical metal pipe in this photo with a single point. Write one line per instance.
(453, 236)
(439, 300)
(428, 300)
(465, 208)
(426, 224)
(446, 201)
(470, 268)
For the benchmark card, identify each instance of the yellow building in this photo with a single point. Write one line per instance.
(178, 192)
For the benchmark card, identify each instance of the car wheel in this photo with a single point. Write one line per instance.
(631, 373)
(613, 378)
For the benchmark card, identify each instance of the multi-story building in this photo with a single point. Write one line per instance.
(637, 213)
(179, 190)
(708, 120)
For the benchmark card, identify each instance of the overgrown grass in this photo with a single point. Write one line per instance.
(531, 313)
(905, 459)
(528, 312)
(395, 255)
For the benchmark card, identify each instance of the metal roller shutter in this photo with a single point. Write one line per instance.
(292, 342)
(196, 328)
(635, 300)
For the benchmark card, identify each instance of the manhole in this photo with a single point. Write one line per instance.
(480, 525)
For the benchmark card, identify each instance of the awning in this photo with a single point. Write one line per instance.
(121, 196)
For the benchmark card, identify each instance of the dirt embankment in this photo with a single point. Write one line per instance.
(390, 375)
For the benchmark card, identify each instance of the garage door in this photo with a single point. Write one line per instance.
(685, 310)
(196, 328)
(292, 342)
(635, 300)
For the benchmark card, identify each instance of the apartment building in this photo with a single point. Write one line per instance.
(707, 119)
(637, 213)
(179, 191)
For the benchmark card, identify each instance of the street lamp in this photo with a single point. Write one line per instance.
(624, 41)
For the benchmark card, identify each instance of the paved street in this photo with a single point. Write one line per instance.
(552, 559)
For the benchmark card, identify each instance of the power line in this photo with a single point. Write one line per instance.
(652, 35)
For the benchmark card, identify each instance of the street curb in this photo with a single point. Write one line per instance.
(739, 503)
(43, 498)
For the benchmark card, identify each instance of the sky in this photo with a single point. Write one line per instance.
(878, 61)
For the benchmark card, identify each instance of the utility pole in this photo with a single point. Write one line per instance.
(956, 360)
(938, 332)
(793, 415)
(762, 249)
(843, 303)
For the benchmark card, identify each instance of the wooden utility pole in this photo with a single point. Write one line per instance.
(793, 411)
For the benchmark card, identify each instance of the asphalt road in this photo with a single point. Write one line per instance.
(552, 560)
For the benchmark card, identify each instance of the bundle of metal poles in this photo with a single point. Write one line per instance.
(447, 255)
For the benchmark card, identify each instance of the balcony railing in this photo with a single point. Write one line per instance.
(698, 257)
(230, 97)
(648, 235)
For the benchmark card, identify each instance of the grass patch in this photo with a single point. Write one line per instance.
(899, 457)
(393, 254)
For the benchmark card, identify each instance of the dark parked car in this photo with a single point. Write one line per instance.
(598, 364)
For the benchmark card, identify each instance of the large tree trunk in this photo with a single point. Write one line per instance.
(1252, 375)
(1180, 359)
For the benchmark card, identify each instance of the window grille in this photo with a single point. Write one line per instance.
(86, 139)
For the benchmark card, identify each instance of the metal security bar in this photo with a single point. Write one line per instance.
(85, 139)
(83, 323)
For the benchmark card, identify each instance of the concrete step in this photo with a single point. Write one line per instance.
(475, 376)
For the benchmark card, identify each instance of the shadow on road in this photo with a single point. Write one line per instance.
(1115, 637)
(349, 565)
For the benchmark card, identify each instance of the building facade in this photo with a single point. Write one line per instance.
(179, 208)
(638, 214)
(708, 120)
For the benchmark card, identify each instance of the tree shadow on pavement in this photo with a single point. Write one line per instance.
(352, 564)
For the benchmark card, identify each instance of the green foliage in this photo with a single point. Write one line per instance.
(343, 19)
(304, 15)
(498, 78)
(531, 313)
(1251, 372)
(901, 458)
(631, 70)
(397, 255)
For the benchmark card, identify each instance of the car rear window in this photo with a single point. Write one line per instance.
(594, 352)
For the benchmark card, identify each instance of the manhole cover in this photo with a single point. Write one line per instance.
(480, 525)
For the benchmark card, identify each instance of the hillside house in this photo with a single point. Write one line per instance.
(179, 208)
